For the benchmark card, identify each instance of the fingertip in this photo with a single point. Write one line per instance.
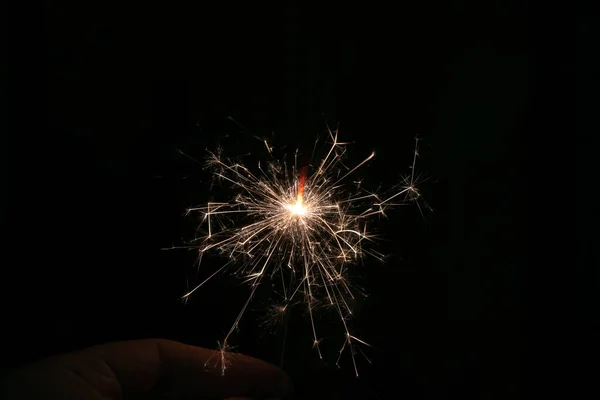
(244, 375)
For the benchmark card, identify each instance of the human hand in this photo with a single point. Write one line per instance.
(145, 369)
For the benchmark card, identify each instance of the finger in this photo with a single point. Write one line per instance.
(143, 365)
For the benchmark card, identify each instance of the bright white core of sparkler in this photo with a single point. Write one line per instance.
(297, 209)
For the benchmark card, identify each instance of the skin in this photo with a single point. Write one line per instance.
(146, 369)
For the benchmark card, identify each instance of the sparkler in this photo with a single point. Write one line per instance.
(300, 227)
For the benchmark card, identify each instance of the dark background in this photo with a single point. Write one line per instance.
(98, 188)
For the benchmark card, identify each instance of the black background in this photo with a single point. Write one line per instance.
(98, 186)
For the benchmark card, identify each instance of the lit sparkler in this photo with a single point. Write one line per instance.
(299, 226)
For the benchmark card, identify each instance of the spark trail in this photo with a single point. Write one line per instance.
(300, 228)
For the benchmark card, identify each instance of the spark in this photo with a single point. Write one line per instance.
(300, 227)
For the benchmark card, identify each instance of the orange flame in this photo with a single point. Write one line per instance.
(301, 183)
